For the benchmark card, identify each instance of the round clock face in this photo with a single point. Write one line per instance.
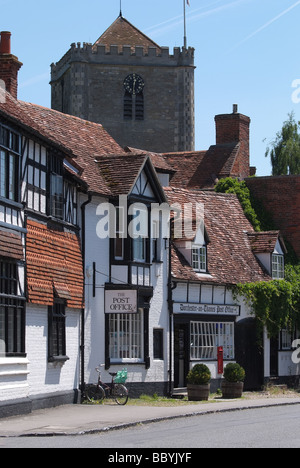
(134, 84)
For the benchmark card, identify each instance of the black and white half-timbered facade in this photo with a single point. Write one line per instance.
(127, 263)
(41, 278)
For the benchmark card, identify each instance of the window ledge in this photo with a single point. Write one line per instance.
(54, 359)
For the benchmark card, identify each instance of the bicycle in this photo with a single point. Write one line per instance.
(116, 390)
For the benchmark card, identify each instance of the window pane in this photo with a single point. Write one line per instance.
(139, 249)
(57, 196)
(58, 329)
(2, 331)
(207, 336)
(125, 336)
(3, 171)
(158, 344)
(277, 266)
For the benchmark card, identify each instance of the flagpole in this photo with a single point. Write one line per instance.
(184, 16)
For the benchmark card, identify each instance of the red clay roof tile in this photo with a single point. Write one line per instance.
(121, 33)
(54, 266)
(11, 245)
(229, 253)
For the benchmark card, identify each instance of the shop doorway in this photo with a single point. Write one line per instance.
(181, 354)
(249, 353)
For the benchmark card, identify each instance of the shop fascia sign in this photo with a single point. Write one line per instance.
(209, 309)
(121, 302)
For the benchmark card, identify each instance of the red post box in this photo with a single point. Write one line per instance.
(220, 360)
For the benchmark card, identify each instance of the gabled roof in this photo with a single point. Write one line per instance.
(77, 138)
(158, 160)
(265, 242)
(229, 253)
(122, 33)
(201, 169)
(121, 173)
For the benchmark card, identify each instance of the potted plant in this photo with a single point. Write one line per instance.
(199, 383)
(233, 385)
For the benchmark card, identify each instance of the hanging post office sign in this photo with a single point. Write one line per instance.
(121, 302)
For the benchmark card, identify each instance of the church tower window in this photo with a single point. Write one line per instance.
(127, 106)
(134, 97)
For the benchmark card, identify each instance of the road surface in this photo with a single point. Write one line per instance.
(258, 428)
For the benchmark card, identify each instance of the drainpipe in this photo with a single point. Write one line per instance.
(82, 344)
(170, 306)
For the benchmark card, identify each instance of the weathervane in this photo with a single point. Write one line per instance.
(121, 9)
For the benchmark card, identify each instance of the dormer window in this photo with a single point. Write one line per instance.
(199, 258)
(277, 266)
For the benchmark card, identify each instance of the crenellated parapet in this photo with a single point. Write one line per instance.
(115, 55)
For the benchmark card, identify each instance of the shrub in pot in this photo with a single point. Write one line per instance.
(199, 383)
(233, 385)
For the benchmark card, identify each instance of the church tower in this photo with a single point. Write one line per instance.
(141, 93)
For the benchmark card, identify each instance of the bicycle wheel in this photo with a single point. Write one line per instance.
(95, 394)
(120, 394)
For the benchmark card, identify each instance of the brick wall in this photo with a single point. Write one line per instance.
(280, 196)
(231, 128)
(9, 67)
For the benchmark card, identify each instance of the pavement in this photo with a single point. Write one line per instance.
(86, 419)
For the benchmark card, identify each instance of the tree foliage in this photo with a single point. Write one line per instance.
(243, 193)
(285, 149)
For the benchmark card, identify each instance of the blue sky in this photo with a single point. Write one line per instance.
(247, 53)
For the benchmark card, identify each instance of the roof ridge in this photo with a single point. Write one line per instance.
(117, 22)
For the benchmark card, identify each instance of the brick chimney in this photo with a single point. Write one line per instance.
(9, 65)
(235, 128)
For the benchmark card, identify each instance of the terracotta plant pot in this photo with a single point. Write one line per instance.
(198, 392)
(232, 389)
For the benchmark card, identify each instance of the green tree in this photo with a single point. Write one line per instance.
(285, 149)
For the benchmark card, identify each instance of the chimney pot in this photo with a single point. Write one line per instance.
(5, 43)
(235, 108)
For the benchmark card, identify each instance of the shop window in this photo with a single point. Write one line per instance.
(199, 260)
(12, 312)
(277, 266)
(206, 337)
(126, 341)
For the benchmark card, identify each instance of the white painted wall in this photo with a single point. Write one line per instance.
(45, 377)
(97, 250)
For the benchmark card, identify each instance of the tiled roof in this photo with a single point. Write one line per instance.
(201, 169)
(120, 172)
(265, 242)
(11, 245)
(159, 162)
(229, 252)
(80, 139)
(121, 33)
(54, 266)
